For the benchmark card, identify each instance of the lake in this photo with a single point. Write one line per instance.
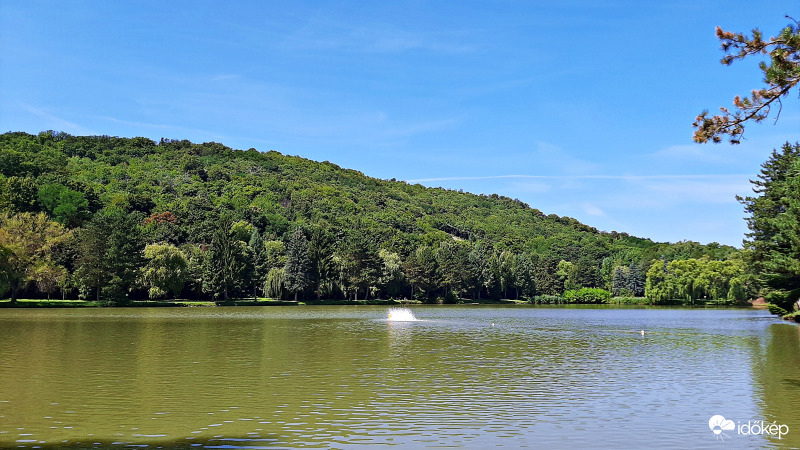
(345, 377)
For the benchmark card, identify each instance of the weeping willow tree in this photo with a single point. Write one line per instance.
(696, 279)
(274, 286)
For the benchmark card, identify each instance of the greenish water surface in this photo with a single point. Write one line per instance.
(345, 377)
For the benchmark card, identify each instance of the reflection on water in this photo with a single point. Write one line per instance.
(777, 374)
(345, 376)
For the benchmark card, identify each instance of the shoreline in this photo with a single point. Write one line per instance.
(44, 303)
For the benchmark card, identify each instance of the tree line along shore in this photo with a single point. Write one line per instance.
(117, 221)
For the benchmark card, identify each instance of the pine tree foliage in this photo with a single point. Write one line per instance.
(260, 261)
(774, 219)
(227, 263)
(635, 280)
(296, 271)
(619, 283)
(781, 75)
(110, 255)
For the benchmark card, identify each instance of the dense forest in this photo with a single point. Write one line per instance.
(773, 243)
(120, 219)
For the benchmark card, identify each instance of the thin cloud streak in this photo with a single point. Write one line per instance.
(326, 32)
(54, 122)
(139, 125)
(586, 177)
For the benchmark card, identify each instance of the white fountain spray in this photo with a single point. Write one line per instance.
(400, 315)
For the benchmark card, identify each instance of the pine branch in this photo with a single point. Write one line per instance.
(781, 75)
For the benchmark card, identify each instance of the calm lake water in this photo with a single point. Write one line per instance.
(345, 377)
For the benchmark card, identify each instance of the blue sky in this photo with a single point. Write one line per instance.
(579, 108)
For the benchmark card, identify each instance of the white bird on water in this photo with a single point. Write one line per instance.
(642, 331)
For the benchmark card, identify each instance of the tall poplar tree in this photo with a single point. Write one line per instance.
(259, 261)
(421, 269)
(524, 276)
(298, 264)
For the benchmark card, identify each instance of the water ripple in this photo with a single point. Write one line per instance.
(345, 377)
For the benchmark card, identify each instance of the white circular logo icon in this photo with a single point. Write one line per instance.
(718, 424)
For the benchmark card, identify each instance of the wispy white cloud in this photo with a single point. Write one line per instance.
(754, 149)
(589, 177)
(593, 210)
(722, 190)
(326, 33)
(355, 127)
(136, 123)
(53, 122)
(530, 187)
(693, 152)
(556, 159)
(704, 154)
(159, 126)
(538, 157)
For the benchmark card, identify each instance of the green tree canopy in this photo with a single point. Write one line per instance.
(227, 262)
(166, 270)
(27, 241)
(109, 255)
(366, 237)
(298, 264)
(774, 220)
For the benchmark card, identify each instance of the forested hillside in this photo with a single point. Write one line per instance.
(117, 219)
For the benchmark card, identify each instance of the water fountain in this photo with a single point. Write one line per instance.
(400, 315)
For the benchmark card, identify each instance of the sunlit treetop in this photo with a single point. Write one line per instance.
(781, 74)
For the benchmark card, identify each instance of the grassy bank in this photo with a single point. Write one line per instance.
(539, 300)
(43, 303)
(40, 303)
